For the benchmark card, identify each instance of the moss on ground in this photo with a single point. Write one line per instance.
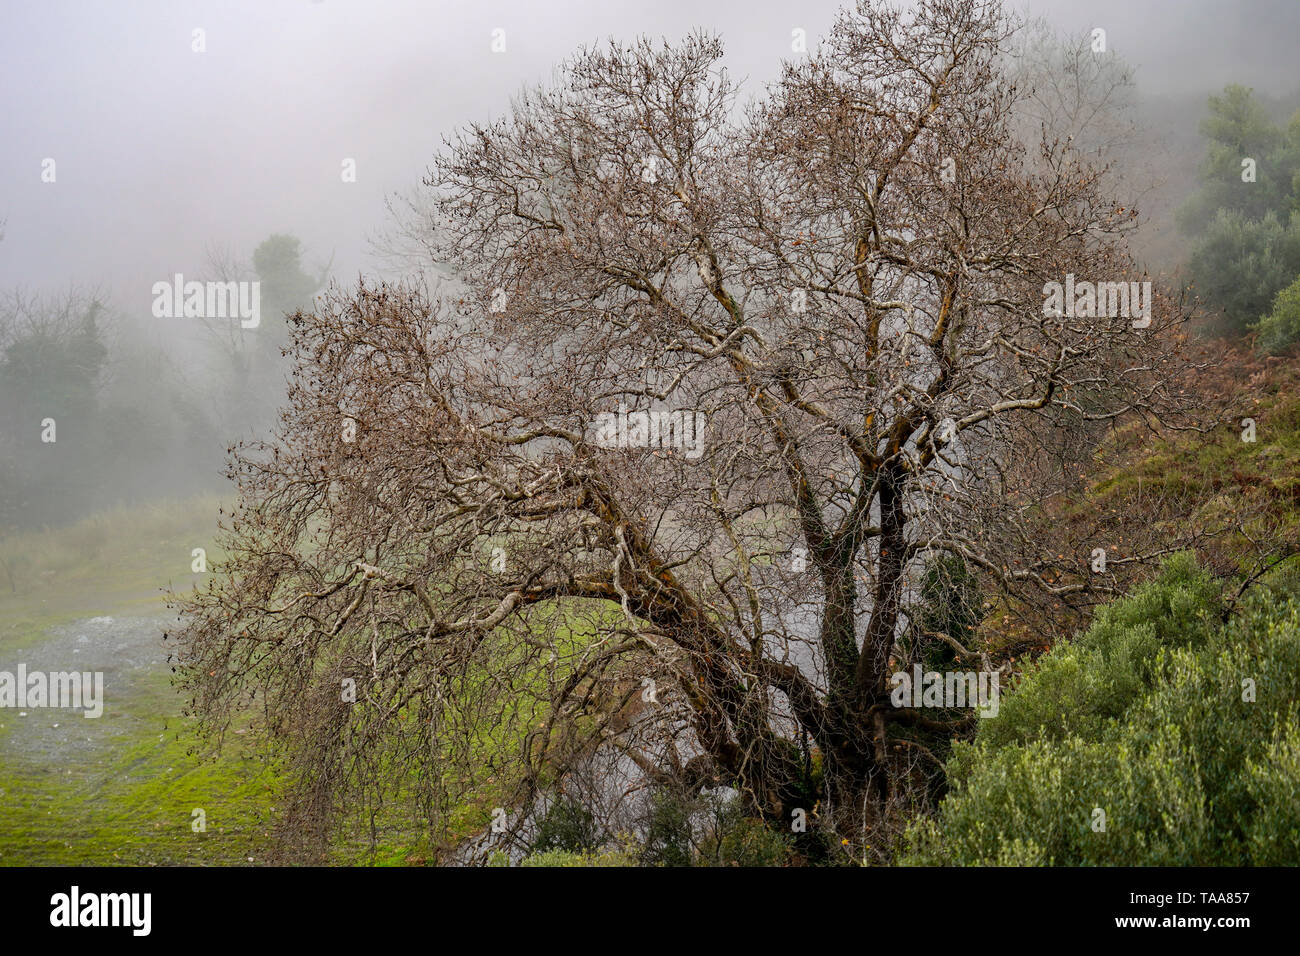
(127, 798)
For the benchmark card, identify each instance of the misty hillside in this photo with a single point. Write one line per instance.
(575, 435)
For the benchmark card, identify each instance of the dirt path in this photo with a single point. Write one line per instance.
(127, 650)
(121, 788)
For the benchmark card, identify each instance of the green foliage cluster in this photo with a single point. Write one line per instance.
(1245, 223)
(1280, 328)
(738, 840)
(1149, 718)
(708, 830)
(567, 827)
(565, 858)
(1239, 264)
(950, 605)
(52, 362)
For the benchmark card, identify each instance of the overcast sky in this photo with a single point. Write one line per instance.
(161, 151)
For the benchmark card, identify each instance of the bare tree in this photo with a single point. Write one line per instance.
(248, 360)
(1074, 88)
(492, 513)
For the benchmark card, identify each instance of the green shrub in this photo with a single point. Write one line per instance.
(1280, 329)
(1142, 718)
(619, 857)
(1239, 265)
(734, 839)
(668, 831)
(1274, 785)
(568, 827)
(1084, 683)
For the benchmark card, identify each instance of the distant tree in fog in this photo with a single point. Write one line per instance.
(52, 358)
(250, 369)
(1245, 218)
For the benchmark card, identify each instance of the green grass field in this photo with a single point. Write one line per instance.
(122, 788)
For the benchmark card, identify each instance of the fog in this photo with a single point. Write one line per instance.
(161, 151)
(163, 154)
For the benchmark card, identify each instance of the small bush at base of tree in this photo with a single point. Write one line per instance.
(563, 858)
(568, 827)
